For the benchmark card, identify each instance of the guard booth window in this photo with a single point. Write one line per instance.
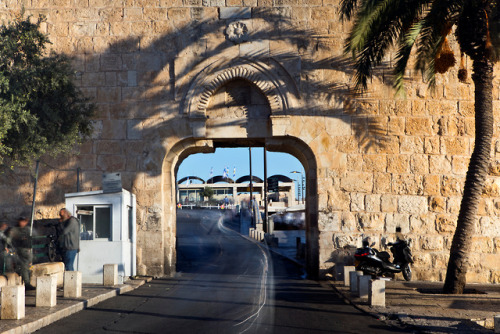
(95, 222)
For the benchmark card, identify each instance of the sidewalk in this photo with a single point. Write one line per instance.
(38, 317)
(420, 306)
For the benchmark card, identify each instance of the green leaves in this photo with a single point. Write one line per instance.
(420, 27)
(378, 25)
(41, 110)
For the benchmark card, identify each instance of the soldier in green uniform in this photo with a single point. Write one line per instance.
(21, 240)
(5, 259)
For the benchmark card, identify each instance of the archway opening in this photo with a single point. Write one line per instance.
(233, 104)
(294, 204)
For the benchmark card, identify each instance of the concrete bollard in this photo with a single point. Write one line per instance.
(12, 302)
(496, 321)
(347, 270)
(46, 291)
(72, 284)
(363, 286)
(353, 281)
(377, 293)
(110, 274)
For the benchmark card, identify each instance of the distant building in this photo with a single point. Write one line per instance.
(237, 191)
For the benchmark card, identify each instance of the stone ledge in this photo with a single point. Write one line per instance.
(68, 310)
(235, 13)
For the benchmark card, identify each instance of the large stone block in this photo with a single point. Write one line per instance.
(407, 184)
(235, 13)
(12, 302)
(46, 269)
(412, 204)
(3, 281)
(13, 279)
(398, 163)
(357, 182)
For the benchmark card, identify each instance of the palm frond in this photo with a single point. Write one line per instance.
(403, 55)
(378, 24)
(373, 13)
(440, 18)
(347, 8)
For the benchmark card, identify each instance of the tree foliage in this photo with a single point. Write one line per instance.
(207, 192)
(41, 109)
(421, 28)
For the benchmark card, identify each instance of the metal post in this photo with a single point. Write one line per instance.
(303, 190)
(78, 180)
(251, 185)
(34, 196)
(265, 191)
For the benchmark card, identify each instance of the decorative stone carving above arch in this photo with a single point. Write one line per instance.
(244, 73)
(207, 81)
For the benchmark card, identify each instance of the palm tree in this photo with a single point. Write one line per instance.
(420, 28)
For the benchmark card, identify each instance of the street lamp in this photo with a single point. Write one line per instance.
(299, 185)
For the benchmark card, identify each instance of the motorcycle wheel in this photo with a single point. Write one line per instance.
(52, 252)
(407, 272)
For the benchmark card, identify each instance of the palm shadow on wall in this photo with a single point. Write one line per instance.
(341, 99)
(153, 61)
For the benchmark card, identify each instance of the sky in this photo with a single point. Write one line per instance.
(277, 163)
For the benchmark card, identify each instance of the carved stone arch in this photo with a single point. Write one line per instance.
(244, 73)
(213, 77)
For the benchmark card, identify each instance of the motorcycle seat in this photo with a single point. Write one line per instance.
(384, 256)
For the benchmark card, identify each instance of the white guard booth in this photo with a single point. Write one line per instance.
(107, 232)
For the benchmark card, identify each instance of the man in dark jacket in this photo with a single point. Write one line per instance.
(69, 240)
(20, 237)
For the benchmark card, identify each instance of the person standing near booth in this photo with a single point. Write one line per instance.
(69, 240)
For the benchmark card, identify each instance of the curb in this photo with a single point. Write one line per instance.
(264, 244)
(403, 321)
(286, 257)
(79, 306)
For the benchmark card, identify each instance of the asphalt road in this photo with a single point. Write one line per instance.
(226, 284)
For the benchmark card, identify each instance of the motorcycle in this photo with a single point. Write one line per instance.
(372, 262)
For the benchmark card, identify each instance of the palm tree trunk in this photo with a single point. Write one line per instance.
(476, 176)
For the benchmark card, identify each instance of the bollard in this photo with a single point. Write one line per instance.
(72, 284)
(110, 274)
(496, 320)
(12, 302)
(377, 293)
(363, 286)
(347, 270)
(46, 291)
(353, 281)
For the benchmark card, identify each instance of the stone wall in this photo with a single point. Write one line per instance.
(374, 162)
